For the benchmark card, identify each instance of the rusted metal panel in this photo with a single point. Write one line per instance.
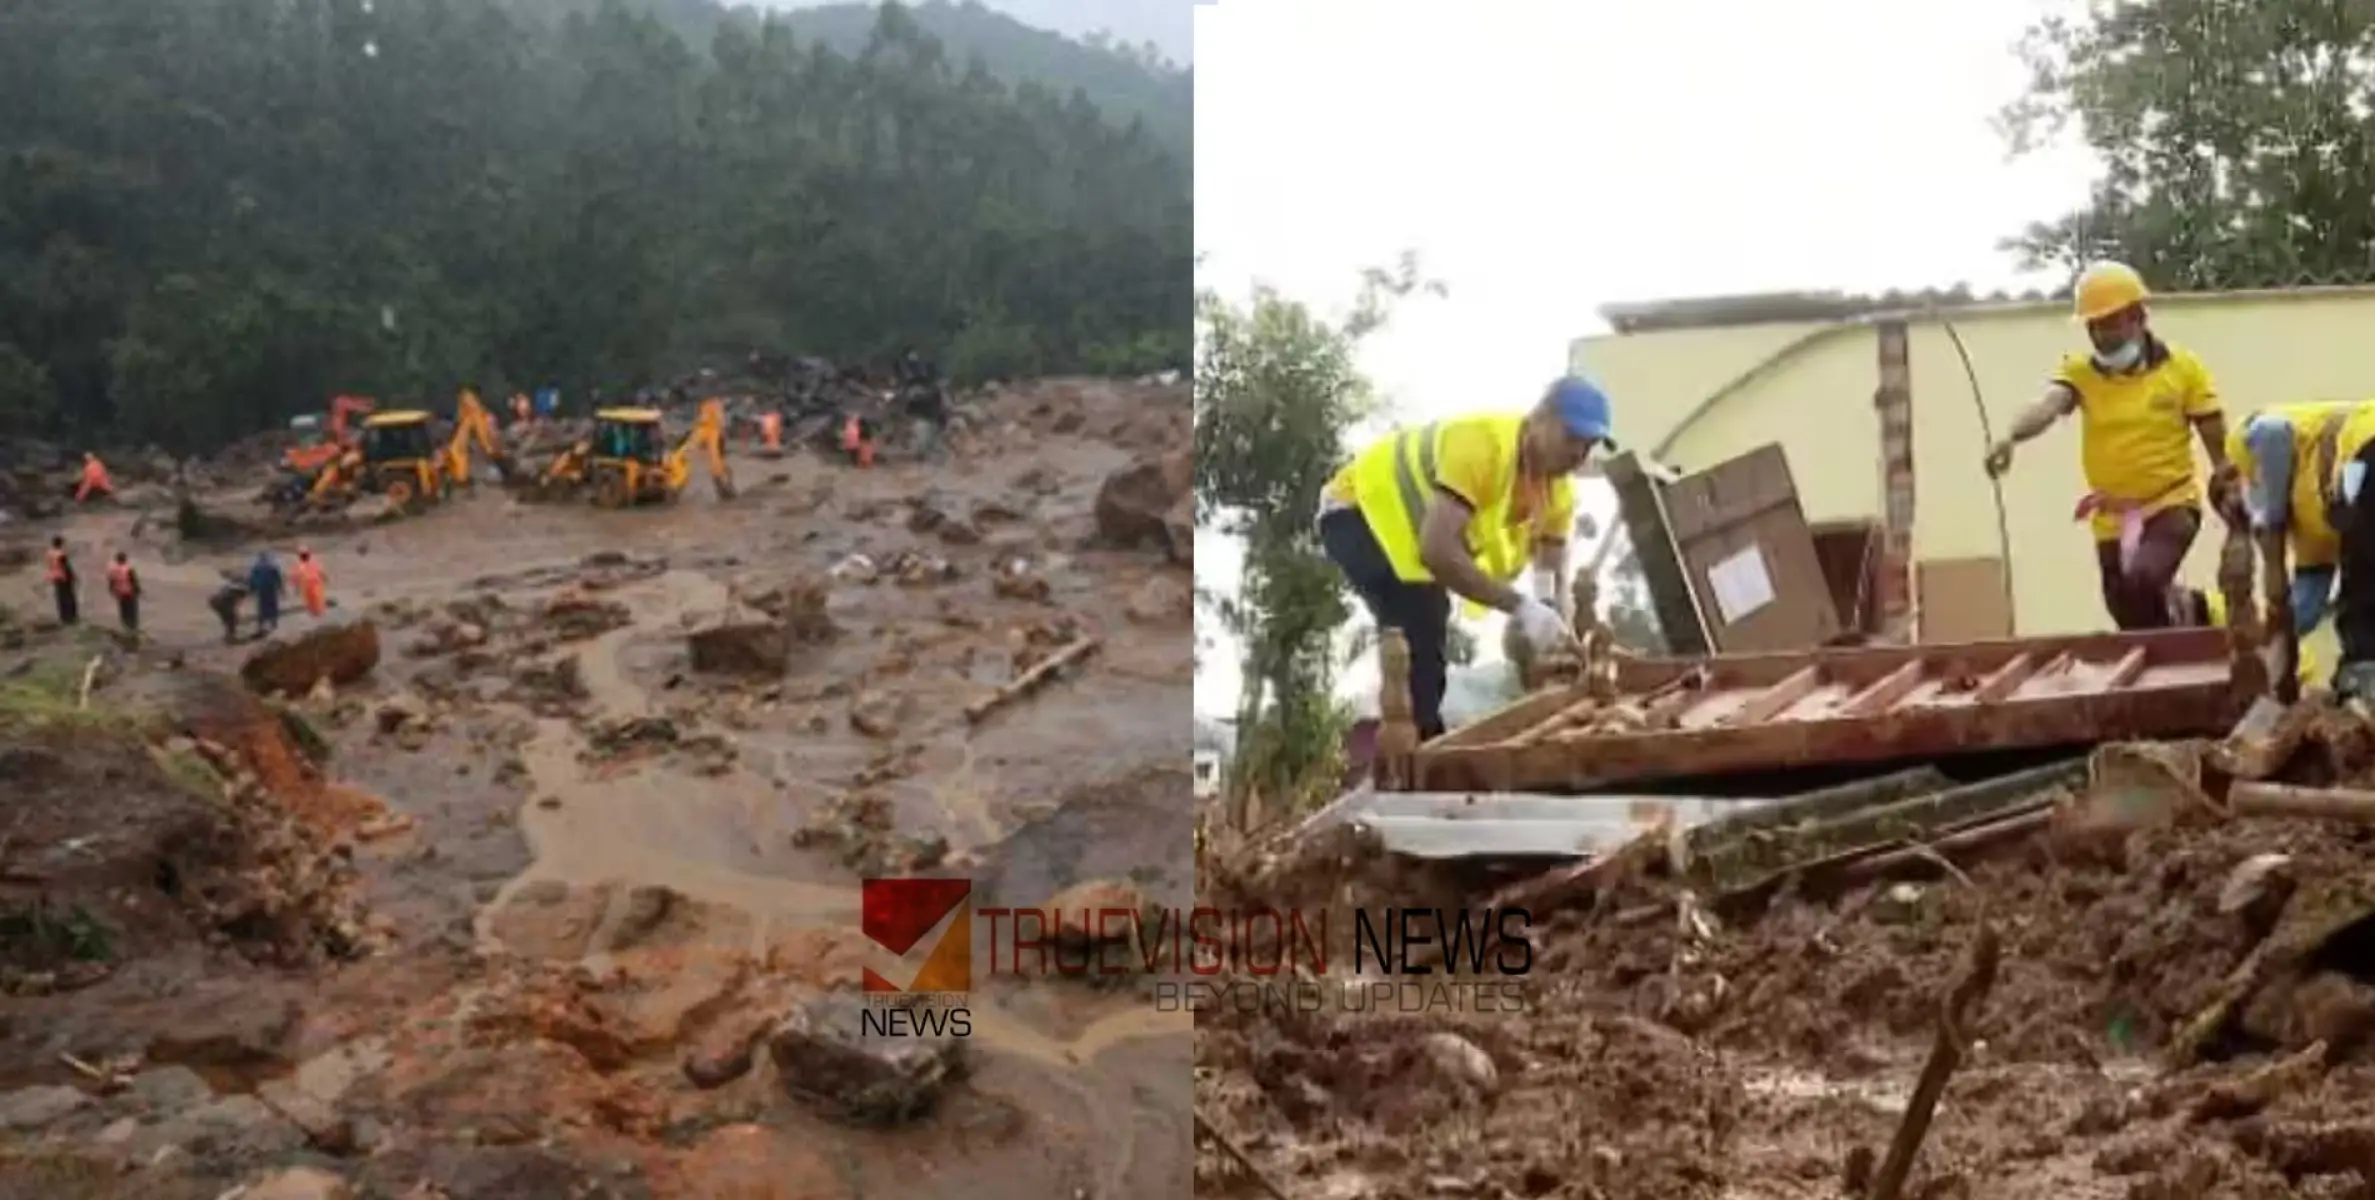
(1680, 718)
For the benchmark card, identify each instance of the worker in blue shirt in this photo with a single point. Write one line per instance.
(264, 582)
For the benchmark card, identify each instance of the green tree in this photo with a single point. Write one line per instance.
(2235, 139)
(215, 214)
(1277, 388)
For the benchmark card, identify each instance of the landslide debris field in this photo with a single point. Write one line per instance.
(2177, 1010)
(530, 870)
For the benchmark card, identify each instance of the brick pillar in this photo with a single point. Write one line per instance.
(1894, 400)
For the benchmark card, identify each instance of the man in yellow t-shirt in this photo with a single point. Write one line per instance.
(1461, 506)
(2141, 403)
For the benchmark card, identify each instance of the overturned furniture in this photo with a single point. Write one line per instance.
(1670, 719)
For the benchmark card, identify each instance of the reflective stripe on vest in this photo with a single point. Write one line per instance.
(1415, 483)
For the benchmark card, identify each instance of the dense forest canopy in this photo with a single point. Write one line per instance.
(1126, 82)
(216, 213)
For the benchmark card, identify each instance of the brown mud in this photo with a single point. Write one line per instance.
(539, 857)
(1665, 1054)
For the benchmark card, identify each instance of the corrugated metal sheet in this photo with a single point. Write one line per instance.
(1476, 825)
(1676, 719)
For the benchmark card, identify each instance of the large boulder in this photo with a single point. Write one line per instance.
(1151, 501)
(823, 1060)
(339, 653)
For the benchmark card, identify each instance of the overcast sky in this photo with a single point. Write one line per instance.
(1546, 157)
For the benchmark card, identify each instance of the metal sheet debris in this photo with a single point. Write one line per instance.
(1450, 825)
(1676, 718)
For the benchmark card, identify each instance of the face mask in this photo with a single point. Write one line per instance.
(2122, 356)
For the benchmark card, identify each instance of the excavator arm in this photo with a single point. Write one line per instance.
(473, 425)
(707, 439)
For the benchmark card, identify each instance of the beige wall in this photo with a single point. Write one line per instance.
(1697, 397)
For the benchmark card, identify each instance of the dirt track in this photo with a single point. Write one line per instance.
(594, 862)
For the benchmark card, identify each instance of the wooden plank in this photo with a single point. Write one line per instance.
(1780, 698)
(2006, 679)
(1884, 694)
(2129, 669)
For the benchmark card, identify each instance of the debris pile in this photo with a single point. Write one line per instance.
(2158, 976)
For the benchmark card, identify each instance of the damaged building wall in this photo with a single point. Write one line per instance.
(1712, 392)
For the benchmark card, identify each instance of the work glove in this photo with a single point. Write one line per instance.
(1540, 624)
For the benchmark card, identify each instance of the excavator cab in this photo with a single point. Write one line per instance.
(629, 462)
(400, 457)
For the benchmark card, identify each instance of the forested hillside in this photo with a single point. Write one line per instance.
(1127, 82)
(215, 213)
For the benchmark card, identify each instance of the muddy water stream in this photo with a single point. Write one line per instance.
(1065, 1056)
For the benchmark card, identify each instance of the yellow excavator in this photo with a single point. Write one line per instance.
(625, 463)
(398, 457)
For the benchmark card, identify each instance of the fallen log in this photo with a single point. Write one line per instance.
(1031, 680)
(2253, 799)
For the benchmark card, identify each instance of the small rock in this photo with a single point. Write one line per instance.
(31, 1108)
(823, 1059)
(876, 715)
(171, 1088)
(1457, 1058)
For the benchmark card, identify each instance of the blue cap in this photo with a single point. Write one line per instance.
(1582, 405)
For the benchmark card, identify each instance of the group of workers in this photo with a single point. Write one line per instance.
(263, 580)
(1463, 506)
(2291, 474)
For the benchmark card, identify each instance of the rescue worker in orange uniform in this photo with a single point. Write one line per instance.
(124, 584)
(2140, 403)
(312, 584)
(857, 440)
(94, 480)
(60, 573)
(771, 433)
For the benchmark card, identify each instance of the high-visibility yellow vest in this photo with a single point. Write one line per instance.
(1393, 480)
(2314, 543)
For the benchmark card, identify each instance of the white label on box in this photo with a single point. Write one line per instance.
(1740, 584)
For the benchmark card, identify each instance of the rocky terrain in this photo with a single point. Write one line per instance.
(530, 870)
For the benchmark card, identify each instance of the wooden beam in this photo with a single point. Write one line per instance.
(1884, 694)
(1780, 698)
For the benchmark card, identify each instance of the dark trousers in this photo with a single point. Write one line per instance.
(128, 608)
(69, 604)
(2354, 608)
(2140, 597)
(1421, 611)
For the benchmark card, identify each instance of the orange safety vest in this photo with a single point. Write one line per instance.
(59, 571)
(119, 581)
(771, 430)
(308, 574)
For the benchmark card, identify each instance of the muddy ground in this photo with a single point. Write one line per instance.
(455, 929)
(1670, 1054)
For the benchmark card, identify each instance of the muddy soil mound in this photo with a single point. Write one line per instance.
(339, 654)
(178, 853)
(2100, 958)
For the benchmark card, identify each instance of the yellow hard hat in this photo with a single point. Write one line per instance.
(2106, 288)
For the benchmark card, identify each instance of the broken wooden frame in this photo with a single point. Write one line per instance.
(1678, 718)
